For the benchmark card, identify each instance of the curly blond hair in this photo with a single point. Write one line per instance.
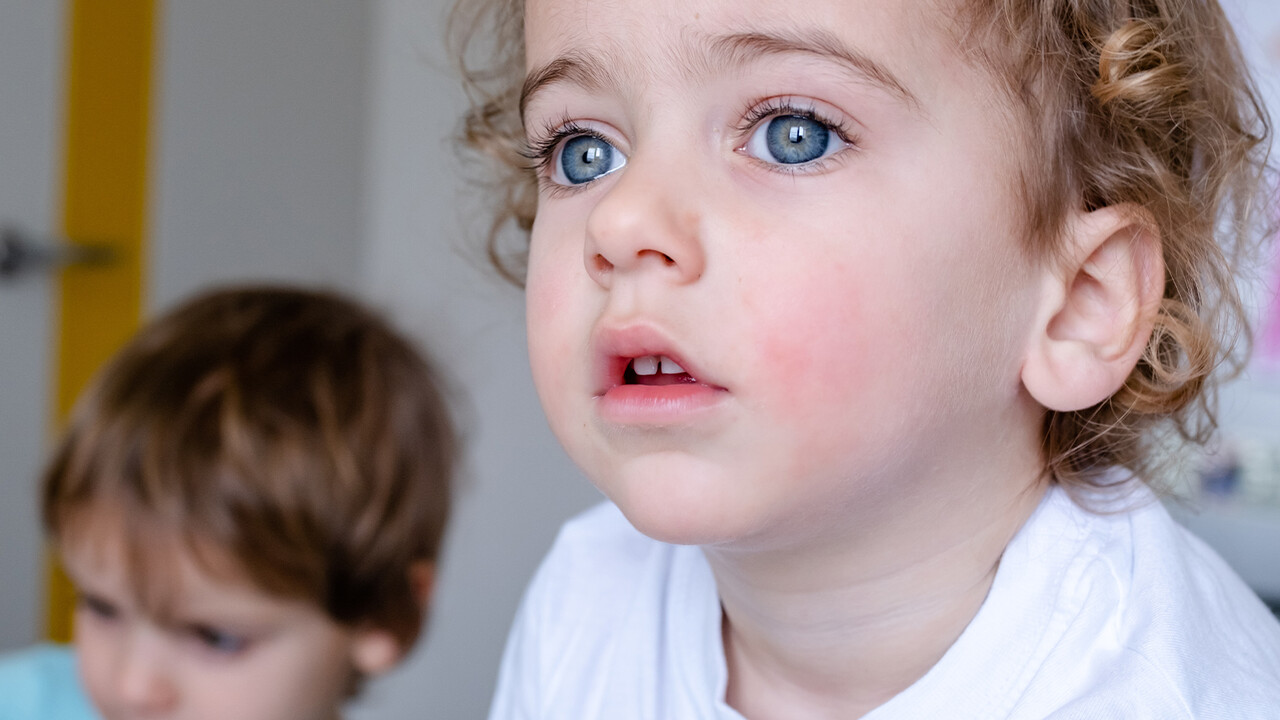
(1148, 102)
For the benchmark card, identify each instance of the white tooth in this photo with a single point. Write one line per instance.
(670, 367)
(647, 365)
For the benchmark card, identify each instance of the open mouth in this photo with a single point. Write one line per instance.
(656, 370)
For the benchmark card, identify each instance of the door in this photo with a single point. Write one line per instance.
(31, 38)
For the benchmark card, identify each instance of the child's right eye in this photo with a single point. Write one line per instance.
(572, 155)
(583, 158)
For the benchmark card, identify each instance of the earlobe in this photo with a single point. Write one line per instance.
(1098, 307)
(375, 651)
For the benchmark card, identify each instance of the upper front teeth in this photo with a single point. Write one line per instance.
(649, 365)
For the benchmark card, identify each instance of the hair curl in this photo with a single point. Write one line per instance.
(1147, 102)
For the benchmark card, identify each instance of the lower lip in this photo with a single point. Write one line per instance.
(657, 404)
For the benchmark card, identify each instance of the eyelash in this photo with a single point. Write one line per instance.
(779, 107)
(218, 641)
(541, 149)
(98, 607)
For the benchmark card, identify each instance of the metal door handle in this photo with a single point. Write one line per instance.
(22, 252)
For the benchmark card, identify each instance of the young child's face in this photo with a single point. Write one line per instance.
(810, 209)
(223, 649)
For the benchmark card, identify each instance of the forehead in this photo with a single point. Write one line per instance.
(153, 566)
(639, 42)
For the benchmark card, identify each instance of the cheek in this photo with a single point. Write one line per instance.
(94, 661)
(302, 679)
(834, 333)
(550, 320)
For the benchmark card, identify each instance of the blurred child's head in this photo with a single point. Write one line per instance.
(1143, 111)
(250, 500)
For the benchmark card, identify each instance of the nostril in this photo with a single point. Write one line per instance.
(600, 265)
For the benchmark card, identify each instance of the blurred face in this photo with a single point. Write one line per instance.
(775, 281)
(222, 649)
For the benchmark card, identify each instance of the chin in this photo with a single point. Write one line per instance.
(680, 502)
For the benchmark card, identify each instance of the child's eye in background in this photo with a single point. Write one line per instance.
(219, 641)
(97, 607)
(583, 158)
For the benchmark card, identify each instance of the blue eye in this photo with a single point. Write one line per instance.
(218, 641)
(584, 158)
(793, 140)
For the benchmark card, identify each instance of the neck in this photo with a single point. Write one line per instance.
(837, 627)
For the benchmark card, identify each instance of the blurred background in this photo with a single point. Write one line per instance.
(310, 140)
(299, 140)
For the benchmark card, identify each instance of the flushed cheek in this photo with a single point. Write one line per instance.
(557, 333)
(834, 330)
(840, 358)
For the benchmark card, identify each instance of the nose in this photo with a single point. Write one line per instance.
(649, 220)
(144, 678)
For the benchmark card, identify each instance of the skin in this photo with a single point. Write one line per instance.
(221, 648)
(858, 447)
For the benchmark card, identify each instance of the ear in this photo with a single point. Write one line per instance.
(422, 581)
(1097, 309)
(376, 650)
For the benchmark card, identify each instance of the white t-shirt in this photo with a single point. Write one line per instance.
(1124, 616)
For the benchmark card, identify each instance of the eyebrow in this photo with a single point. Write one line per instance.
(732, 50)
(573, 68)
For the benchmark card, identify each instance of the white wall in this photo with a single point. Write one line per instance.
(425, 262)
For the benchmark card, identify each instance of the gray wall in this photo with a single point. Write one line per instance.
(258, 143)
(424, 262)
(30, 93)
(309, 140)
(302, 140)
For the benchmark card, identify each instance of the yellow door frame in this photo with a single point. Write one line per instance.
(110, 48)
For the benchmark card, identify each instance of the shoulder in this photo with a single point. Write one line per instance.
(600, 540)
(1161, 615)
(609, 621)
(41, 682)
(601, 570)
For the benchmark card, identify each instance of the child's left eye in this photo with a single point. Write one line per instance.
(793, 138)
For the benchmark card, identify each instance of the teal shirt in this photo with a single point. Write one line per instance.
(41, 683)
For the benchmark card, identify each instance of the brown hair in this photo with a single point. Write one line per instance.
(1121, 101)
(289, 431)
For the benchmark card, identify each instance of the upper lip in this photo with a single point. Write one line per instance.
(614, 347)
